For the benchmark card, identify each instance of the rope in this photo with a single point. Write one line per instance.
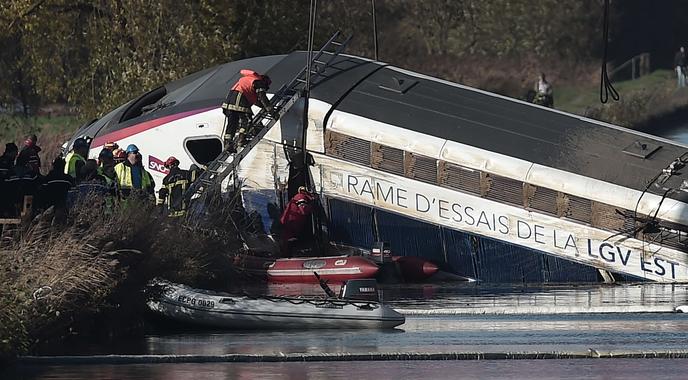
(606, 87)
(293, 300)
(313, 301)
(311, 37)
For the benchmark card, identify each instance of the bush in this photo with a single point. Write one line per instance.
(58, 276)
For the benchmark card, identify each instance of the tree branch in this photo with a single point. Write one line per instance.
(31, 9)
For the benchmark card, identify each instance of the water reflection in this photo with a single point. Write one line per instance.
(627, 369)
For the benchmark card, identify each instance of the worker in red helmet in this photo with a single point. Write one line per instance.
(111, 146)
(28, 158)
(251, 89)
(294, 218)
(174, 185)
(119, 155)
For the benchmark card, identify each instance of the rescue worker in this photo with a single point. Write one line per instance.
(106, 166)
(544, 95)
(295, 217)
(28, 160)
(55, 187)
(132, 177)
(175, 183)
(119, 155)
(24, 184)
(680, 63)
(76, 158)
(6, 171)
(7, 160)
(249, 90)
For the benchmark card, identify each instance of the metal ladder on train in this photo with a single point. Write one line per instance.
(225, 163)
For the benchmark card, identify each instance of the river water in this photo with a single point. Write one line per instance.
(679, 134)
(433, 327)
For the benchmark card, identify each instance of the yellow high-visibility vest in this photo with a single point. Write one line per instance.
(109, 181)
(124, 177)
(70, 163)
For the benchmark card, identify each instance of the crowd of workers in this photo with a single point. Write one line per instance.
(116, 175)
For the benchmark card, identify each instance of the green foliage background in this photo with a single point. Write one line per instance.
(96, 54)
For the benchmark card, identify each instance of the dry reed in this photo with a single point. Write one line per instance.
(57, 275)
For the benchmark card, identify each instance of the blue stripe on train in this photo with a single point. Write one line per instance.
(458, 252)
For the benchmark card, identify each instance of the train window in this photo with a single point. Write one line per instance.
(142, 103)
(203, 149)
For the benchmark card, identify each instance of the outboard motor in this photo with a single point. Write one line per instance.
(362, 289)
(381, 252)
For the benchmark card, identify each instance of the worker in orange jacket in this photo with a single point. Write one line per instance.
(249, 90)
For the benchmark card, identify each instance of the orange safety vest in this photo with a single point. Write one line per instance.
(245, 85)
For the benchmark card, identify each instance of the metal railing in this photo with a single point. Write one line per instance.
(639, 64)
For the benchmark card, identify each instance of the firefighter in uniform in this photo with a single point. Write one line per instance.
(175, 183)
(131, 175)
(294, 218)
(249, 90)
(76, 159)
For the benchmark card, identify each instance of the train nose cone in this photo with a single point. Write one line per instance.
(429, 268)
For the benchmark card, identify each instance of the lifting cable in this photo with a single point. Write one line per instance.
(606, 87)
(311, 32)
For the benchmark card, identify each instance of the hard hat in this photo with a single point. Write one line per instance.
(119, 153)
(111, 146)
(302, 189)
(132, 148)
(171, 161)
(105, 153)
(80, 143)
(31, 140)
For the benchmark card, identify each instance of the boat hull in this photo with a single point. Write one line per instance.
(332, 269)
(218, 310)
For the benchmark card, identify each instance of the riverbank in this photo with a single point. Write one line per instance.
(648, 103)
(82, 274)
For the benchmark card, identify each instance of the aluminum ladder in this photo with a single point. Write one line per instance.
(227, 161)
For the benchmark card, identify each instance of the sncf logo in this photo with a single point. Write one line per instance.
(157, 165)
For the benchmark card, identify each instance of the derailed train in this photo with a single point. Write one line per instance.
(489, 187)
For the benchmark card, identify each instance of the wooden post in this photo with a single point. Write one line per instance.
(27, 206)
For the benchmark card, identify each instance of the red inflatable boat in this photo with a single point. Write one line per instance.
(333, 269)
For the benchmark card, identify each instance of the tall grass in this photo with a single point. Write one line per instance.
(56, 276)
(52, 132)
